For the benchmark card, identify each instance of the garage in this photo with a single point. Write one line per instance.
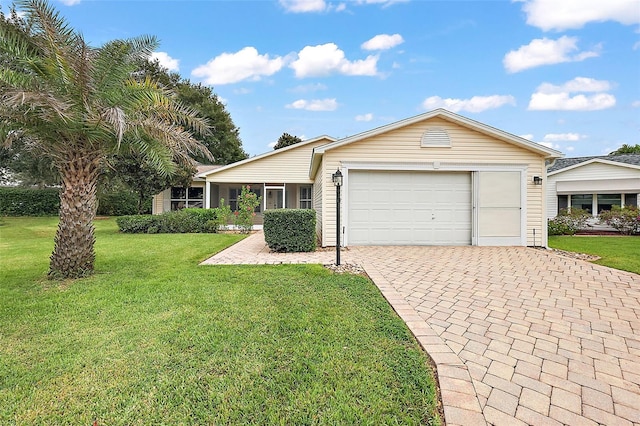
(409, 208)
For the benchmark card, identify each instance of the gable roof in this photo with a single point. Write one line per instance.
(437, 113)
(624, 160)
(206, 173)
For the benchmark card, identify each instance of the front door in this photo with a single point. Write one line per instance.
(275, 199)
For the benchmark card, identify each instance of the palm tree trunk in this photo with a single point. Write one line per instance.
(73, 255)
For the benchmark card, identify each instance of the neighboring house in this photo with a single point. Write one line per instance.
(593, 183)
(434, 179)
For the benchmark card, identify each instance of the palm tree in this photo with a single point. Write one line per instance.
(77, 105)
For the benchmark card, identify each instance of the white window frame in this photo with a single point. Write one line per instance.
(308, 199)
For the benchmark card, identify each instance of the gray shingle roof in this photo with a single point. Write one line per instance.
(563, 163)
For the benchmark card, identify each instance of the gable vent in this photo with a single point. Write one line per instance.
(436, 138)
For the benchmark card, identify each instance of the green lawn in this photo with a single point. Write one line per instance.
(153, 338)
(616, 252)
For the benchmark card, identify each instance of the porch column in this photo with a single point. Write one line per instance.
(207, 195)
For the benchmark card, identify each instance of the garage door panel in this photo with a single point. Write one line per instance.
(409, 207)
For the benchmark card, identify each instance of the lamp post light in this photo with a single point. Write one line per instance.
(337, 181)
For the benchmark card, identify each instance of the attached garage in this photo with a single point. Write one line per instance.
(433, 179)
(409, 208)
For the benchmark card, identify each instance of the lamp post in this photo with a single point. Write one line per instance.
(337, 181)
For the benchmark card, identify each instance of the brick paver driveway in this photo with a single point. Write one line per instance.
(544, 339)
(519, 336)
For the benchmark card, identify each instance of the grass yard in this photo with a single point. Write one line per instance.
(616, 252)
(153, 338)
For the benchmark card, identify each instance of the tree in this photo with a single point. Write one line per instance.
(627, 149)
(285, 140)
(224, 139)
(76, 105)
(140, 177)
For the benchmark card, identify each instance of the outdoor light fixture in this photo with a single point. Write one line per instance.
(337, 181)
(537, 180)
(337, 178)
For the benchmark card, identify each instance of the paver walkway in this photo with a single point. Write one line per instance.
(519, 336)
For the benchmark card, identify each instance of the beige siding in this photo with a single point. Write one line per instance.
(403, 146)
(157, 203)
(291, 166)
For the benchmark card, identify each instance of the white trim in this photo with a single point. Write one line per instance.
(263, 155)
(592, 161)
(434, 166)
(472, 168)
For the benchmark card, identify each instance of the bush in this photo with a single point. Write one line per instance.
(290, 230)
(117, 203)
(568, 222)
(138, 224)
(29, 202)
(247, 203)
(176, 222)
(626, 220)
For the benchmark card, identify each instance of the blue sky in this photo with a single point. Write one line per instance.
(565, 73)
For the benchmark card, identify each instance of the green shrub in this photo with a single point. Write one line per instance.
(290, 230)
(568, 222)
(223, 216)
(247, 203)
(177, 222)
(138, 224)
(29, 202)
(626, 220)
(119, 203)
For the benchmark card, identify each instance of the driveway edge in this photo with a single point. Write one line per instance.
(459, 397)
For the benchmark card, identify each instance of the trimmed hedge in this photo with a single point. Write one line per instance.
(29, 202)
(117, 203)
(290, 230)
(176, 222)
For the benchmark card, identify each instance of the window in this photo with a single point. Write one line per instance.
(582, 201)
(305, 197)
(563, 202)
(186, 197)
(631, 199)
(606, 201)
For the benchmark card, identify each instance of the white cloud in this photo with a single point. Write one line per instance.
(566, 137)
(245, 64)
(544, 51)
(550, 145)
(384, 3)
(636, 46)
(527, 136)
(578, 84)
(315, 104)
(382, 42)
(572, 14)
(559, 98)
(272, 144)
(303, 6)
(475, 104)
(364, 117)
(306, 88)
(166, 61)
(635, 104)
(242, 91)
(326, 59)
(70, 2)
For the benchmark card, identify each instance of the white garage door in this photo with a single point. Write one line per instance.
(409, 208)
